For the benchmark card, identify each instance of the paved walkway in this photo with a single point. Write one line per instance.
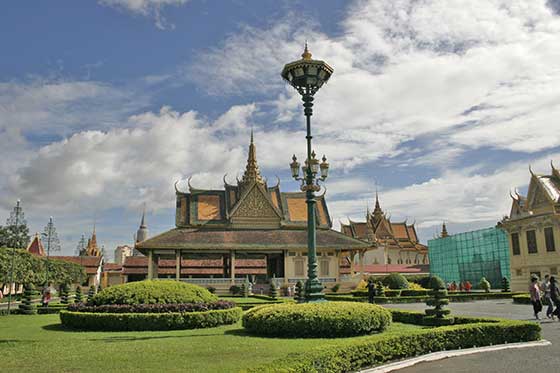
(529, 360)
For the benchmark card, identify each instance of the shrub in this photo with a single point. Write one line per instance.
(64, 293)
(484, 285)
(329, 319)
(78, 297)
(300, 292)
(505, 285)
(26, 307)
(149, 321)
(362, 285)
(273, 289)
(91, 293)
(235, 289)
(341, 356)
(154, 291)
(335, 288)
(380, 289)
(211, 289)
(152, 308)
(438, 315)
(51, 309)
(396, 281)
(414, 293)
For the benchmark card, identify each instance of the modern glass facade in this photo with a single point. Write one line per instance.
(470, 256)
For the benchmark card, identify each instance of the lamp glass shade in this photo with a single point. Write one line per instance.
(324, 170)
(294, 166)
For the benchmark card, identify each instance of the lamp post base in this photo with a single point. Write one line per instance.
(314, 291)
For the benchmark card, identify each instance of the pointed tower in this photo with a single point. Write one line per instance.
(252, 173)
(444, 231)
(92, 249)
(142, 232)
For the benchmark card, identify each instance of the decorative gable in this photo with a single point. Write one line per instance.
(255, 209)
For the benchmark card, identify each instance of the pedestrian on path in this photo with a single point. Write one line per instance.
(535, 293)
(545, 287)
(555, 296)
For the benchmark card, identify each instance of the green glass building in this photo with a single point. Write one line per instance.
(470, 256)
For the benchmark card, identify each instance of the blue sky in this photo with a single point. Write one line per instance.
(104, 104)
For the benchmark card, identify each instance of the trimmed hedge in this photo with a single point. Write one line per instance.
(51, 309)
(152, 308)
(322, 320)
(526, 299)
(453, 297)
(153, 292)
(395, 281)
(149, 321)
(346, 356)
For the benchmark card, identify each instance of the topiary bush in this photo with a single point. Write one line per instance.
(438, 316)
(64, 293)
(26, 307)
(316, 320)
(235, 289)
(154, 291)
(484, 285)
(396, 281)
(78, 298)
(300, 292)
(505, 285)
(91, 293)
(380, 289)
(273, 289)
(335, 288)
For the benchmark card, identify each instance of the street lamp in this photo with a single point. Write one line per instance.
(307, 76)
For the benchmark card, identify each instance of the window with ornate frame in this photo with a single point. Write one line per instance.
(515, 244)
(531, 242)
(549, 239)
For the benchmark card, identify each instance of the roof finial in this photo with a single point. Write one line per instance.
(306, 54)
(252, 172)
(251, 134)
(444, 231)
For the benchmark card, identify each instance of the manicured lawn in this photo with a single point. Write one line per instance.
(38, 343)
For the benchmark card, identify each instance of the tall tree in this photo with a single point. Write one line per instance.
(15, 233)
(51, 243)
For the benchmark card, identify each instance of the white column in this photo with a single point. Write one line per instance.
(232, 266)
(150, 265)
(178, 264)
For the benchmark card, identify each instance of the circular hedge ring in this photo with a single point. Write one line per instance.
(149, 321)
(153, 292)
(317, 320)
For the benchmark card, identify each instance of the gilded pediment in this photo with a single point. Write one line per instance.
(255, 204)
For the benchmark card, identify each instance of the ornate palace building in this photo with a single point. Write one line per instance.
(534, 230)
(392, 243)
(248, 229)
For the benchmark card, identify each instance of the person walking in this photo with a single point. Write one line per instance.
(535, 293)
(555, 296)
(545, 287)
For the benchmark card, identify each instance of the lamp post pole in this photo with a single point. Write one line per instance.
(307, 76)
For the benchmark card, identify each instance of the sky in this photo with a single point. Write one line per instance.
(441, 105)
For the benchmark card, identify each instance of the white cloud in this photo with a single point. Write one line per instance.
(152, 8)
(457, 196)
(482, 74)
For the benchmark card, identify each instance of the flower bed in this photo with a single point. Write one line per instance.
(352, 355)
(151, 305)
(149, 321)
(316, 320)
(152, 308)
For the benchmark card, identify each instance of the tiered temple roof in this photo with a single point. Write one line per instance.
(379, 230)
(543, 196)
(249, 215)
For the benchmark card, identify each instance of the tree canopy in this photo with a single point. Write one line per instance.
(29, 268)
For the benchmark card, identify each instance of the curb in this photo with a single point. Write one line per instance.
(434, 356)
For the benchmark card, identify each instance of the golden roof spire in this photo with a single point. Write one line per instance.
(444, 231)
(252, 172)
(306, 54)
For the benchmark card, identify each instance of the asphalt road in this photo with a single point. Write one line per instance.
(525, 360)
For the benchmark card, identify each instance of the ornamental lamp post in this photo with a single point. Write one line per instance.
(307, 76)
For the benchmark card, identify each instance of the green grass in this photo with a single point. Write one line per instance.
(38, 343)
